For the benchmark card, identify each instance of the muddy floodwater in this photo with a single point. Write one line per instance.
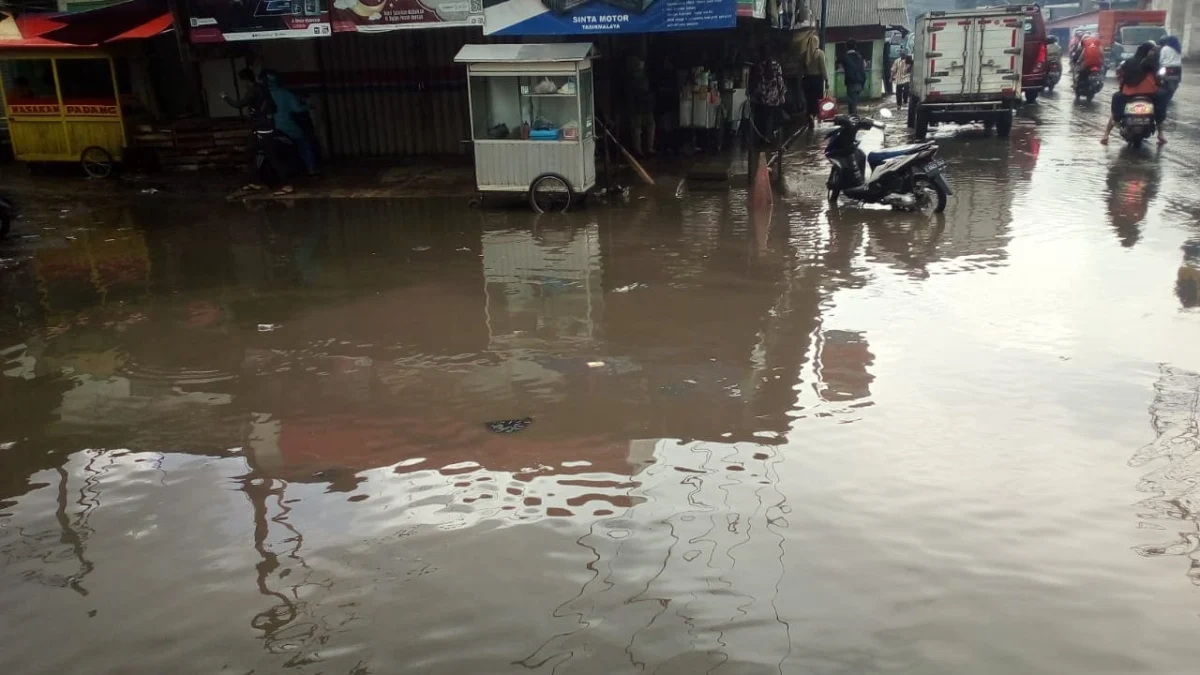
(812, 440)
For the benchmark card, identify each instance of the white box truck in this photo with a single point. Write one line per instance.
(967, 67)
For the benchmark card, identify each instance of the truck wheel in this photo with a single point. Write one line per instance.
(912, 113)
(1004, 124)
(921, 125)
(1031, 95)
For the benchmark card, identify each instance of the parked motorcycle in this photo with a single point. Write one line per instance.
(1137, 124)
(907, 177)
(1088, 83)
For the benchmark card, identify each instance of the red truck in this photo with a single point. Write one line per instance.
(1122, 30)
(1033, 68)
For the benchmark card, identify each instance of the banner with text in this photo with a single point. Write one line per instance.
(233, 20)
(374, 16)
(588, 17)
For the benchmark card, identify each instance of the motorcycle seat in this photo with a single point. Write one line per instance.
(881, 156)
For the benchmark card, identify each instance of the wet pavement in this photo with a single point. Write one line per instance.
(253, 440)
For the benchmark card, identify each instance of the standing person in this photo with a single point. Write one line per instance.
(290, 112)
(1138, 77)
(666, 102)
(767, 93)
(901, 76)
(854, 75)
(814, 81)
(262, 154)
(640, 104)
(888, 62)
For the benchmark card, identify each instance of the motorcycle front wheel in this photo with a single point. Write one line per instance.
(832, 186)
(931, 198)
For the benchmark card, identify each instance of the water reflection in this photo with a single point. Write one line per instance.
(1174, 502)
(1131, 186)
(300, 396)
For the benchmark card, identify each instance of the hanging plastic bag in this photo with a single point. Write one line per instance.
(827, 108)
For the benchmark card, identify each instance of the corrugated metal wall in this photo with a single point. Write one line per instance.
(395, 94)
(398, 93)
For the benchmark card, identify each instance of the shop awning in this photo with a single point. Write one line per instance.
(133, 20)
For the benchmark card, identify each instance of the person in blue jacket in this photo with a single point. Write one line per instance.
(292, 120)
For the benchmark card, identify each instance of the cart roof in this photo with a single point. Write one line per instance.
(570, 51)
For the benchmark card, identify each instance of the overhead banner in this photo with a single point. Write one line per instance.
(373, 16)
(589, 17)
(233, 20)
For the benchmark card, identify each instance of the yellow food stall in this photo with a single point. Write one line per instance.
(61, 97)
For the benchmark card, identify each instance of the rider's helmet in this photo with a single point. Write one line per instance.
(1053, 39)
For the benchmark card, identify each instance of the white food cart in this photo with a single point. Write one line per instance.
(532, 121)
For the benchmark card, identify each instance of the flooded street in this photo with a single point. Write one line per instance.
(255, 440)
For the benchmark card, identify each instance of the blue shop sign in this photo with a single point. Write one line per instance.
(589, 17)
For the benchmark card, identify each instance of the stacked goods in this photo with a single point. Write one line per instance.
(193, 144)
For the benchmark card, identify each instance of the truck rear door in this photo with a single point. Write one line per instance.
(946, 51)
(1000, 44)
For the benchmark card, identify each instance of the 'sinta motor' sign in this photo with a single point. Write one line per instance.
(588, 17)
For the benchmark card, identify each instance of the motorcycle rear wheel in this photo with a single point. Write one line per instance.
(931, 198)
(832, 186)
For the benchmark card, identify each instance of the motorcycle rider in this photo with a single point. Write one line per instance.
(1091, 59)
(1077, 46)
(1138, 76)
(1053, 56)
(1053, 52)
(1169, 58)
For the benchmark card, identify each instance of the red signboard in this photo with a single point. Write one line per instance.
(371, 16)
(33, 109)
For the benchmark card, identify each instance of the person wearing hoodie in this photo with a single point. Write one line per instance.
(292, 120)
(854, 75)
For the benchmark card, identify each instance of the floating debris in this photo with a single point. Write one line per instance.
(421, 248)
(595, 364)
(267, 327)
(630, 287)
(508, 426)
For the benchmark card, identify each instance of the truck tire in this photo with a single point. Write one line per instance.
(1004, 124)
(912, 113)
(921, 124)
(1031, 95)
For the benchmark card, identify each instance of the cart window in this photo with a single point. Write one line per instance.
(585, 100)
(550, 105)
(496, 107)
(86, 82)
(29, 82)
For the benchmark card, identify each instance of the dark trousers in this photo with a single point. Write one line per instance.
(901, 95)
(853, 92)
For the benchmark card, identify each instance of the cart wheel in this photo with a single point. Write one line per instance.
(550, 193)
(97, 162)
(476, 201)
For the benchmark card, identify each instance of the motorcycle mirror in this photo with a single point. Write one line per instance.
(885, 113)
